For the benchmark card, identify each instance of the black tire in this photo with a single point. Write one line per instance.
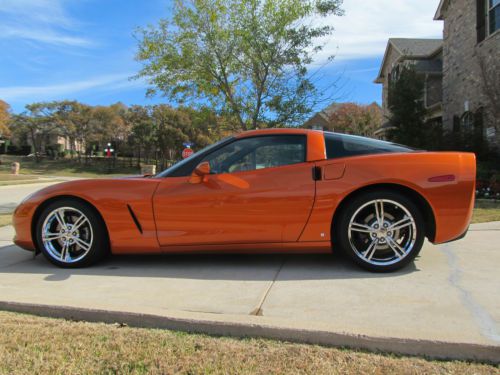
(93, 231)
(378, 258)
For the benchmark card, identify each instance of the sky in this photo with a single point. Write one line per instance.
(84, 49)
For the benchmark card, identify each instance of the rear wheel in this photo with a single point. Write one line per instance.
(381, 231)
(70, 234)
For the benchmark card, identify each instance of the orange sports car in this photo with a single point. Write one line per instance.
(276, 190)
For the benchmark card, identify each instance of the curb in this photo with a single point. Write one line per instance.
(424, 348)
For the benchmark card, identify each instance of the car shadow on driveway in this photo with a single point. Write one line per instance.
(258, 267)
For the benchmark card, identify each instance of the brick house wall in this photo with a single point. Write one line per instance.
(471, 70)
(391, 60)
(434, 91)
(425, 55)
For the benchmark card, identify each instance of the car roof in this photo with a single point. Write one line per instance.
(253, 133)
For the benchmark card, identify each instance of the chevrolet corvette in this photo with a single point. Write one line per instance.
(274, 190)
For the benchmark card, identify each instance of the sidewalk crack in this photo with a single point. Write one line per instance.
(484, 320)
(258, 311)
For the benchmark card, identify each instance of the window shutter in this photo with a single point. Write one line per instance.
(478, 122)
(456, 124)
(481, 20)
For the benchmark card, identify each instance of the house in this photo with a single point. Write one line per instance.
(426, 55)
(321, 120)
(462, 71)
(56, 143)
(349, 118)
(471, 66)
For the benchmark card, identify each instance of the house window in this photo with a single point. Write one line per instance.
(494, 15)
(394, 75)
(467, 121)
(488, 18)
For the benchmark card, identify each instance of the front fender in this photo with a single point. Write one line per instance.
(110, 198)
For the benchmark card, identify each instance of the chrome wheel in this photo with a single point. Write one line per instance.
(382, 232)
(67, 234)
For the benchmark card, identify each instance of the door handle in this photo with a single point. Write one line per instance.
(317, 173)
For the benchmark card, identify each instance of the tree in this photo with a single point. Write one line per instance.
(37, 123)
(72, 119)
(352, 118)
(163, 130)
(81, 117)
(109, 125)
(490, 80)
(408, 111)
(4, 119)
(247, 58)
(142, 132)
(119, 128)
(170, 125)
(206, 126)
(40, 122)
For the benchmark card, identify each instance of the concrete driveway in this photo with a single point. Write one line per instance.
(445, 305)
(12, 195)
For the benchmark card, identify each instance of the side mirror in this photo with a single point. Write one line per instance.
(200, 173)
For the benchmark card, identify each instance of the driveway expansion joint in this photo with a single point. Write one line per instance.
(258, 311)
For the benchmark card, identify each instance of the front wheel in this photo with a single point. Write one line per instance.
(381, 231)
(71, 234)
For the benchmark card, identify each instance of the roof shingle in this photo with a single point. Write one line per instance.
(416, 47)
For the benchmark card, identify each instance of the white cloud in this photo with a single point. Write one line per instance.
(43, 21)
(367, 25)
(108, 83)
(47, 36)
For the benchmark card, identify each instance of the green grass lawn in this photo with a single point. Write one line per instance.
(486, 211)
(7, 179)
(34, 345)
(66, 167)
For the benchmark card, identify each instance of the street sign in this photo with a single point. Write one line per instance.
(187, 152)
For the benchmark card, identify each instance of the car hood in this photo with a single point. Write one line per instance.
(97, 189)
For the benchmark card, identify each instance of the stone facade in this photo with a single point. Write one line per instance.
(471, 70)
(391, 58)
(426, 56)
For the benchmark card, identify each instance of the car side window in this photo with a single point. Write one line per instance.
(254, 153)
(344, 145)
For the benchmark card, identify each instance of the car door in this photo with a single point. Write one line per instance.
(260, 190)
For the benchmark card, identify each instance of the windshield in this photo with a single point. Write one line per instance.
(183, 162)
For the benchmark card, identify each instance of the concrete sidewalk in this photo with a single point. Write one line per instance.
(446, 305)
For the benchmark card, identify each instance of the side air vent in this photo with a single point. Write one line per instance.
(134, 218)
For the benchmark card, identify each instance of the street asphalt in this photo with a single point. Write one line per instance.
(445, 305)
